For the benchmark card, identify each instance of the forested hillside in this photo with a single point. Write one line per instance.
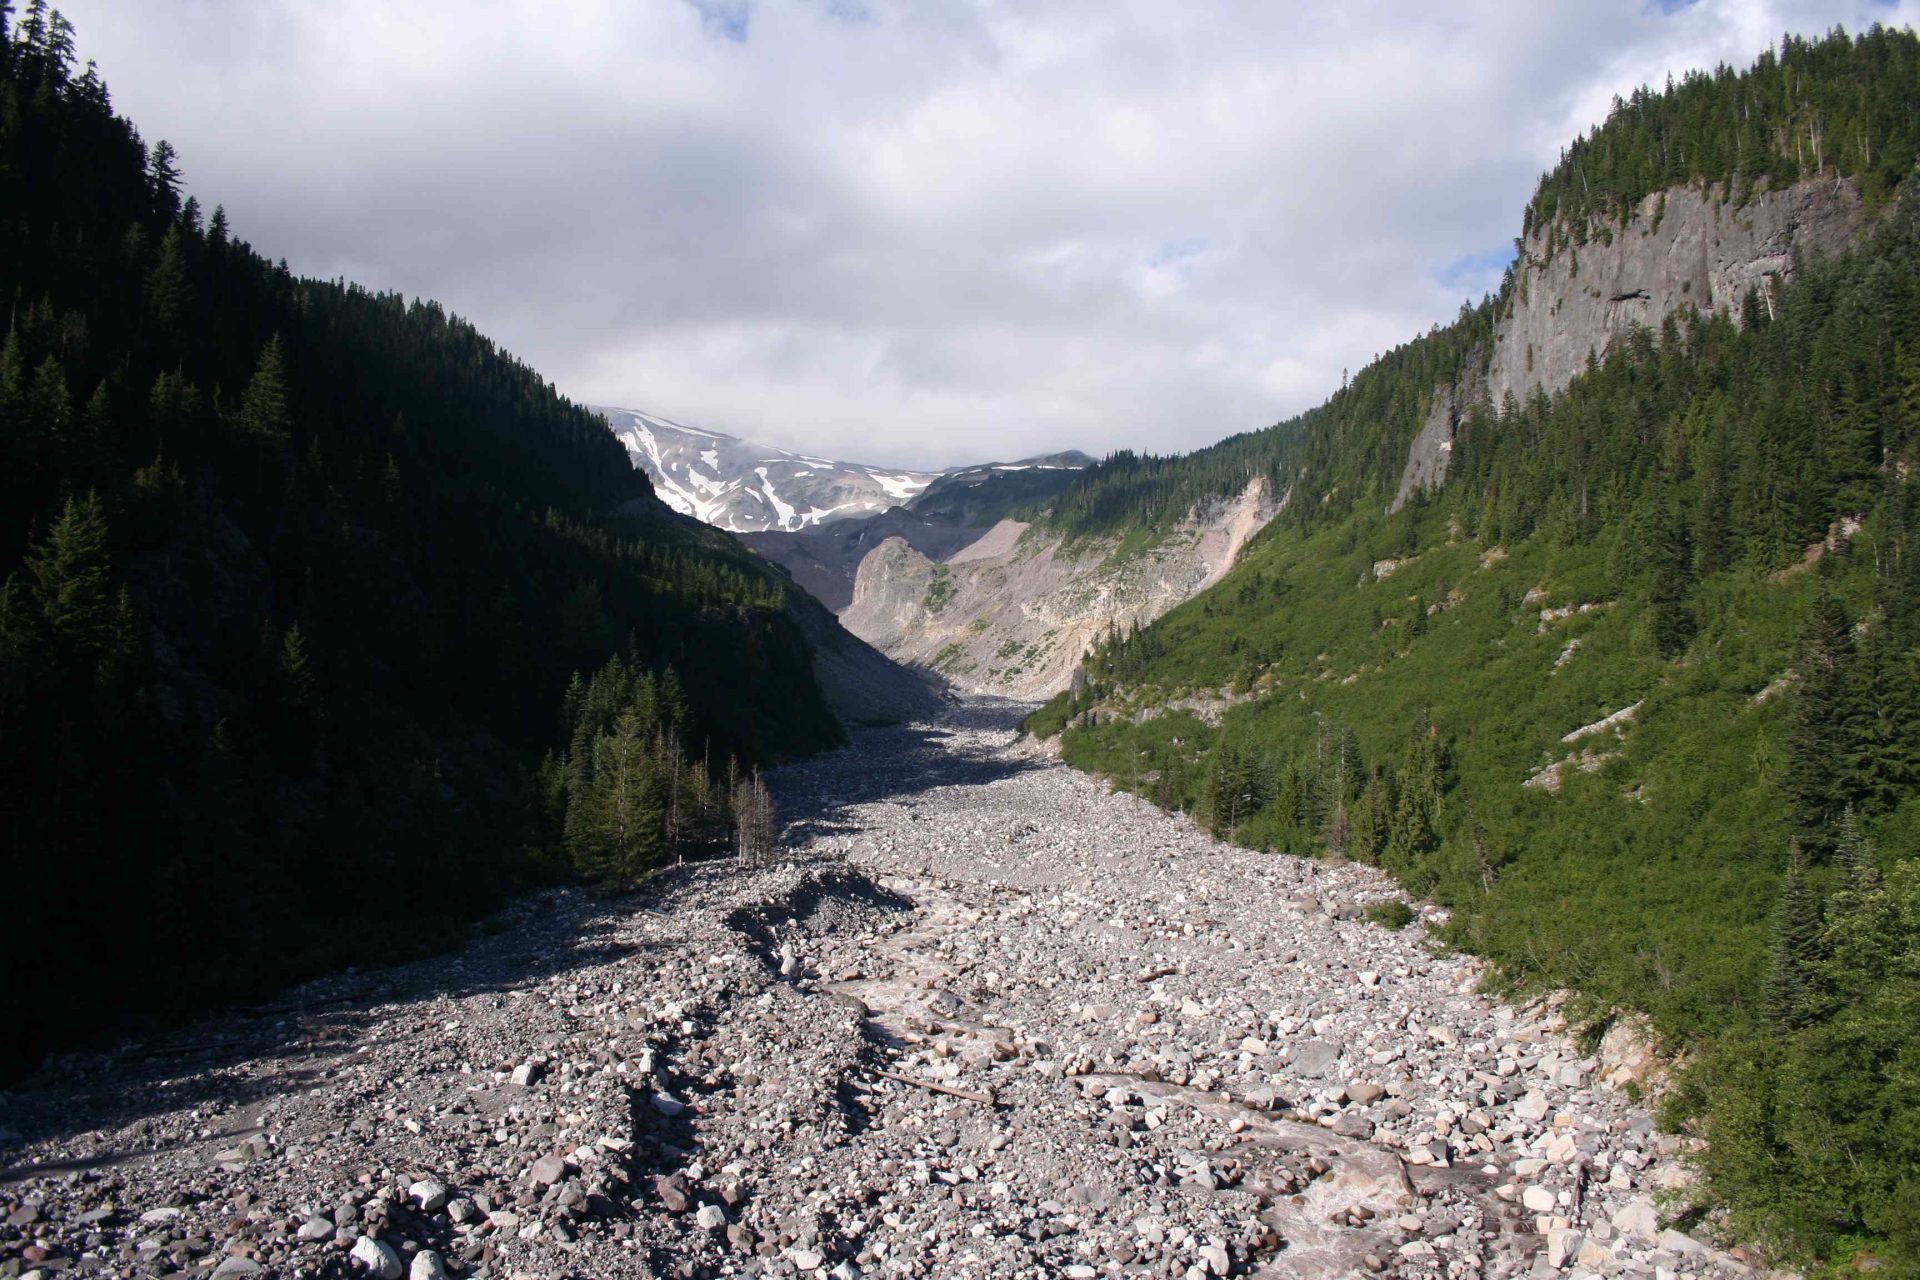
(1635, 693)
(297, 576)
(1837, 106)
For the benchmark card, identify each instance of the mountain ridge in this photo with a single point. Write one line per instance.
(742, 486)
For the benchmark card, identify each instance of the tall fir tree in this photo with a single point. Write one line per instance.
(1414, 835)
(169, 286)
(1797, 952)
(264, 410)
(1820, 748)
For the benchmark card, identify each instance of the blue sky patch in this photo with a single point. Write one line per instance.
(1175, 250)
(724, 17)
(1477, 271)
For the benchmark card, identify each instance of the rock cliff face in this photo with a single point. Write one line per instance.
(1014, 613)
(1688, 246)
(824, 559)
(1685, 246)
(1432, 450)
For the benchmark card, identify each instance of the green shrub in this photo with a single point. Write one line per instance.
(1391, 914)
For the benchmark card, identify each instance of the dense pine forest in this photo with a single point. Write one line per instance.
(302, 584)
(1636, 695)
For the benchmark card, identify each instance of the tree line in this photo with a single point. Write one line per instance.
(296, 575)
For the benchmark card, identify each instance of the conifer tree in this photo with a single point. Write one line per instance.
(69, 575)
(1227, 791)
(1884, 729)
(49, 411)
(1852, 854)
(163, 172)
(1290, 793)
(1796, 948)
(1414, 834)
(1369, 822)
(1820, 748)
(33, 26)
(1860, 939)
(59, 46)
(264, 411)
(619, 832)
(169, 290)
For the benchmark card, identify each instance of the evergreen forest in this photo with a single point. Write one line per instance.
(1635, 696)
(325, 622)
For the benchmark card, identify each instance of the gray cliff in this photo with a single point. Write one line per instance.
(1685, 246)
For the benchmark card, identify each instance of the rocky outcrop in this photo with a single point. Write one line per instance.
(1689, 246)
(1014, 613)
(823, 559)
(1432, 451)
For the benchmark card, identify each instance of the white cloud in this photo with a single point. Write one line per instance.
(911, 232)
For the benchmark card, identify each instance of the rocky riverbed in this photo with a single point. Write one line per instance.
(982, 1019)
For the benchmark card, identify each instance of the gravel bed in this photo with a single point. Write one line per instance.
(984, 1019)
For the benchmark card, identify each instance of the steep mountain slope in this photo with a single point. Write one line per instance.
(319, 631)
(1624, 675)
(741, 486)
(1013, 612)
(955, 511)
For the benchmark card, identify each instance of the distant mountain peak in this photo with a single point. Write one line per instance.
(745, 487)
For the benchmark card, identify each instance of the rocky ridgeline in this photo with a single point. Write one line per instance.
(987, 1021)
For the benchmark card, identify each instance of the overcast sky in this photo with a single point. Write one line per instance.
(912, 232)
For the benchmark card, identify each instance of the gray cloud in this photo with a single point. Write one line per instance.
(909, 231)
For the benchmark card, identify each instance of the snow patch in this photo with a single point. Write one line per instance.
(900, 486)
(784, 511)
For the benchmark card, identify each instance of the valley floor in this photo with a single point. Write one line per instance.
(987, 1020)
